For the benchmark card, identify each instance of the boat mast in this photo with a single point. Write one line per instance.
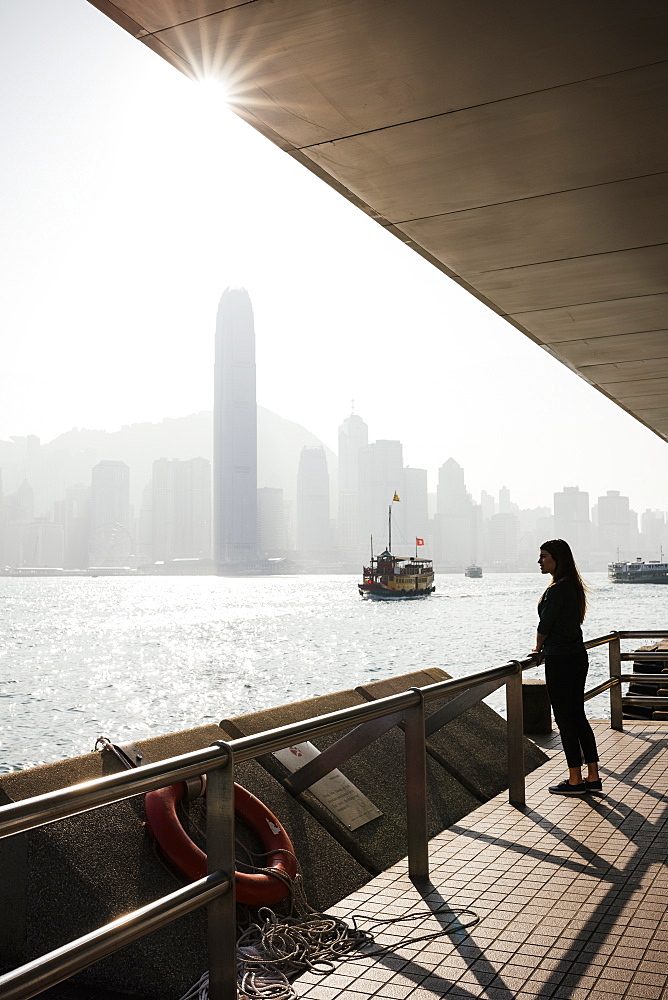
(389, 529)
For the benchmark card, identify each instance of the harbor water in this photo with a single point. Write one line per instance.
(129, 657)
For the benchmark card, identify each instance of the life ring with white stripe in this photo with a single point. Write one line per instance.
(259, 889)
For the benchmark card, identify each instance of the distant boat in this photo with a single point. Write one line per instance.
(638, 571)
(397, 578)
(475, 572)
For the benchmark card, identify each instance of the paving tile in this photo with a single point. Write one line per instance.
(572, 894)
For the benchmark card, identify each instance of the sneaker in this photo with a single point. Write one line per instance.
(565, 788)
(594, 786)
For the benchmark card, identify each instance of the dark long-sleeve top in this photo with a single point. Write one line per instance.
(559, 619)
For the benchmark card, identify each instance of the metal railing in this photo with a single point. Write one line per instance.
(216, 890)
(617, 678)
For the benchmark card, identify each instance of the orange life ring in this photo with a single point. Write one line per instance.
(177, 847)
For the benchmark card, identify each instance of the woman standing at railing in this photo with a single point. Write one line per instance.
(561, 611)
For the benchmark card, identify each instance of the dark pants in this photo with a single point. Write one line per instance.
(565, 677)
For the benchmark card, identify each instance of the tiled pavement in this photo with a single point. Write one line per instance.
(572, 893)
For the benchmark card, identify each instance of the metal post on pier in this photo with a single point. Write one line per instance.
(416, 790)
(515, 727)
(615, 661)
(221, 913)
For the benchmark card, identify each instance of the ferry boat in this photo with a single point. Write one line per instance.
(639, 571)
(473, 571)
(392, 578)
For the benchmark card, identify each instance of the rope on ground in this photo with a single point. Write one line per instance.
(276, 949)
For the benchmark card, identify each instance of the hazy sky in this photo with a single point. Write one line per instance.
(131, 197)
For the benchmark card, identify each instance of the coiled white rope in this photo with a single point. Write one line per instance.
(276, 949)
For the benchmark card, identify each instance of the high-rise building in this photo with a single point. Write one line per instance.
(270, 521)
(457, 522)
(73, 513)
(313, 526)
(21, 505)
(503, 538)
(3, 525)
(381, 472)
(572, 523)
(488, 505)
(614, 526)
(506, 506)
(353, 437)
(111, 541)
(235, 432)
(654, 535)
(181, 509)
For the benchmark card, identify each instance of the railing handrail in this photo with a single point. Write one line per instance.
(62, 803)
(217, 889)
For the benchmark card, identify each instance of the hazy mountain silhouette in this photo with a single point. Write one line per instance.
(69, 458)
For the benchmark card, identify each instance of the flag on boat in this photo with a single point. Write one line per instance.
(395, 497)
(419, 541)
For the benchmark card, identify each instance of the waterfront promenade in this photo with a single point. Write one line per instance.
(571, 894)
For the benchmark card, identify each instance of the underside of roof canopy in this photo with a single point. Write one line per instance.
(519, 147)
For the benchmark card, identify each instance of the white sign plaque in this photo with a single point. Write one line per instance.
(334, 790)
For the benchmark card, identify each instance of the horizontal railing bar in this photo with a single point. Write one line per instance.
(644, 699)
(439, 688)
(660, 654)
(656, 634)
(645, 678)
(271, 740)
(340, 752)
(40, 810)
(18, 817)
(601, 641)
(600, 688)
(58, 965)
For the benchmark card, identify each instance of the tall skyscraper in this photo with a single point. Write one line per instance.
(235, 432)
(73, 513)
(353, 436)
(313, 528)
(571, 521)
(270, 521)
(614, 526)
(111, 540)
(457, 521)
(181, 509)
(381, 471)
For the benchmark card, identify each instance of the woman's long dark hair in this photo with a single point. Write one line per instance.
(565, 568)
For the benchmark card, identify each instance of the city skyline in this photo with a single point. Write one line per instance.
(539, 499)
(92, 523)
(342, 310)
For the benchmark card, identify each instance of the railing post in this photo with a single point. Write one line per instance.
(221, 913)
(416, 791)
(515, 729)
(615, 661)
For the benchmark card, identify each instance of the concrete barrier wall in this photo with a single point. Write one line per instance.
(378, 771)
(66, 879)
(472, 748)
(71, 877)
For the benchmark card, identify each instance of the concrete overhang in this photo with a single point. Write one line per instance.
(519, 147)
